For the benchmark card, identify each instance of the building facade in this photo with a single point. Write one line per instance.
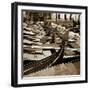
(63, 19)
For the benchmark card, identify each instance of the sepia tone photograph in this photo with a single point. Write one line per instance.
(51, 43)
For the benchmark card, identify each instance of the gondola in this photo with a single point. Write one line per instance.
(32, 66)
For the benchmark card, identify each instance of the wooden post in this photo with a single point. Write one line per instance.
(56, 17)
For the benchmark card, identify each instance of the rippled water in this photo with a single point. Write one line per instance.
(62, 69)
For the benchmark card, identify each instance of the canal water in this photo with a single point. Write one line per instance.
(61, 69)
